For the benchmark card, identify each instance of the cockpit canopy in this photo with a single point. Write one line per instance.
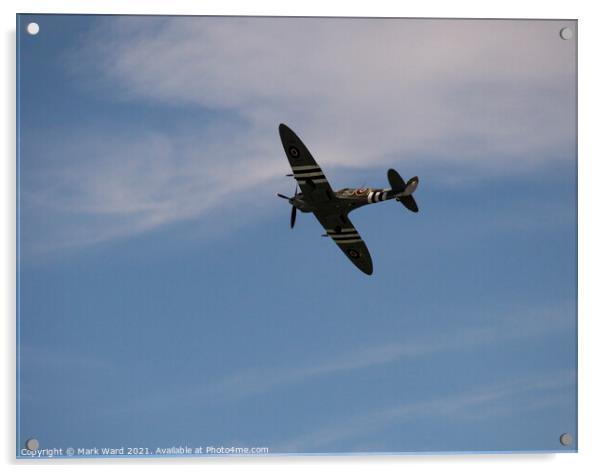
(350, 191)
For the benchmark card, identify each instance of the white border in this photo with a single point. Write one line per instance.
(589, 229)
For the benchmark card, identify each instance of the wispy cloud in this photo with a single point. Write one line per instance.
(496, 95)
(521, 325)
(363, 89)
(98, 188)
(475, 404)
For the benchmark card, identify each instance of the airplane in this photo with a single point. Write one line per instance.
(332, 208)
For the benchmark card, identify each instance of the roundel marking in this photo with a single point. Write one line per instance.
(353, 253)
(294, 151)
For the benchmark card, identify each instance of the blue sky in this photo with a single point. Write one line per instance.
(164, 300)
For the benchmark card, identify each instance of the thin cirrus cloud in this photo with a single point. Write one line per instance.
(363, 89)
(496, 95)
(99, 188)
(481, 402)
(535, 323)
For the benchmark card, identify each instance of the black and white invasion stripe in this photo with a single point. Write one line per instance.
(344, 235)
(310, 171)
(377, 196)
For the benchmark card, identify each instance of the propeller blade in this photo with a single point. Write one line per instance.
(283, 196)
(293, 216)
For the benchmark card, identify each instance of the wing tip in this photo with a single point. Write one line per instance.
(286, 134)
(365, 265)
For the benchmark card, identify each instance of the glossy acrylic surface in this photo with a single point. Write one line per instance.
(166, 308)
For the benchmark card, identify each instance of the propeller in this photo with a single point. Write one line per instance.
(294, 209)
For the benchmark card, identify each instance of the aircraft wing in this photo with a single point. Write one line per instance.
(340, 229)
(309, 175)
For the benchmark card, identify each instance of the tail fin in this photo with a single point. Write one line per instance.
(398, 185)
(396, 181)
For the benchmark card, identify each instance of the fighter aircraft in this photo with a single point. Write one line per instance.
(332, 208)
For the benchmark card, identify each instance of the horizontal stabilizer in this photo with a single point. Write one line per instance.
(409, 202)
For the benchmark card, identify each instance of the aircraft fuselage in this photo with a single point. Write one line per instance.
(349, 199)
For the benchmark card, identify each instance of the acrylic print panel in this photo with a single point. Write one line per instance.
(165, 306)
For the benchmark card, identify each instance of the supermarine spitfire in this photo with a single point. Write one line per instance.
(332, 208)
